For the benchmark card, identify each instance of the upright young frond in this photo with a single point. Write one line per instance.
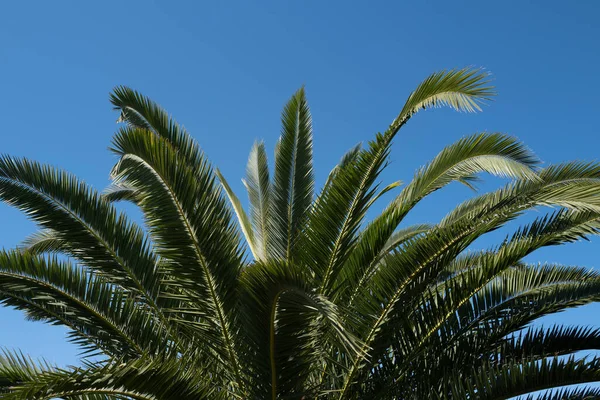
(293, 182)
(258, 185)
(244, 221)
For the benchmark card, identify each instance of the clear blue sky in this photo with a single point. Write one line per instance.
(224, 69)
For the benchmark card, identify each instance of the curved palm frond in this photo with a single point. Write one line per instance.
(142, 379)
(341, 208)
(44, 241)
(92, 229)
(101, 317)
(514, 379)
(458, 162)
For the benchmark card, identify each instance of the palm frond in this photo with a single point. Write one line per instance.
(44, 241)
(514, 379)
(191, 228)
(348, 158)
(543, 342)
(95, 233)
(143, 379)
(259, 188)
(329, 305)
(244, 221)
(293, 182)
(286, 319)
(100, 316)
(457, 162)
(566, 394)
(402, 235)
(461, 89)
(121, 192)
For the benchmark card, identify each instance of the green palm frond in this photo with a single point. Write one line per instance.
(514, 379)
(567, 394)
(293, 182)
(189, 221)
(457, 162)
(461, 89)
(556, 341)
(140, 112)
(442, 311)
(286, 319)
(191, 227)
(402, 235)
(94, 232)
(121, 192)
(15, 367)
(143, 379)
(44, 241)
(348, 158)
(100, 316)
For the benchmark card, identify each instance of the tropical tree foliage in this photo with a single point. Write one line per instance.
(299, 297)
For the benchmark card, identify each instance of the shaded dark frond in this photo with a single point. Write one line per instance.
(285, 318)
(91, 229)
(143, 379)
(44, 241)
(121, 192)
(566, 394)
(15, 367)
(100, 316)
(514, 379)
(543, 342)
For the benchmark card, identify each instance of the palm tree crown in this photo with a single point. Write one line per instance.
(300, 297)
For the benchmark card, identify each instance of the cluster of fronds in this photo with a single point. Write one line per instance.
(327, 305)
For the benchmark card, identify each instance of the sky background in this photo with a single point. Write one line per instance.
(225, 69)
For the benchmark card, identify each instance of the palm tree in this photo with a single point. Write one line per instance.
(303, 299)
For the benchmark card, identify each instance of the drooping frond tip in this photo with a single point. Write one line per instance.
(464, 90)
